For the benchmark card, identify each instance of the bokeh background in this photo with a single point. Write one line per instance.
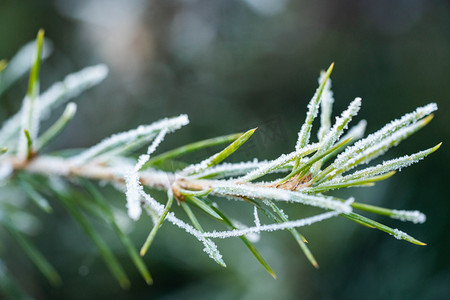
(233, 65)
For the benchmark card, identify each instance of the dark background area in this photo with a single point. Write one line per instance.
(233, 65)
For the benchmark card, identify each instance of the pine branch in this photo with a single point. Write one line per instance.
(302, 174)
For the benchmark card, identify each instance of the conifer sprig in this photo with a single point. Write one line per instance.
(301, 175)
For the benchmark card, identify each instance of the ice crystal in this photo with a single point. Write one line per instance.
(414, 216)
(399, 235)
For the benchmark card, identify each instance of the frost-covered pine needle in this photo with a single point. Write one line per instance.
(145, 157)
(356, 132)
(21, 63)
(234, 189)
(210, 247)
(231, 169)
(279, 162)
(384, 132)
(340, 125)
(55, 129)
(313, 108)
(326, 106)
(57, 94)
(255, 215)
(29, 122)
(133, 185)
(272, 227)
(218, 157)
(376, 149)
(119, 139)
(133, 194)
(72, 86)
(237, 232)
(387, 166)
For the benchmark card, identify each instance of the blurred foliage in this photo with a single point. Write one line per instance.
(248, 64)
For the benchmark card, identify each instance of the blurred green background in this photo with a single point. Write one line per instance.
(233, 65)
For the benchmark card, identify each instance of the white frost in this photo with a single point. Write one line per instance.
(399, 235)
(414, 216)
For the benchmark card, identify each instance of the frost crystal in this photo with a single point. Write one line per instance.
(399, 235)
(414, 216)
